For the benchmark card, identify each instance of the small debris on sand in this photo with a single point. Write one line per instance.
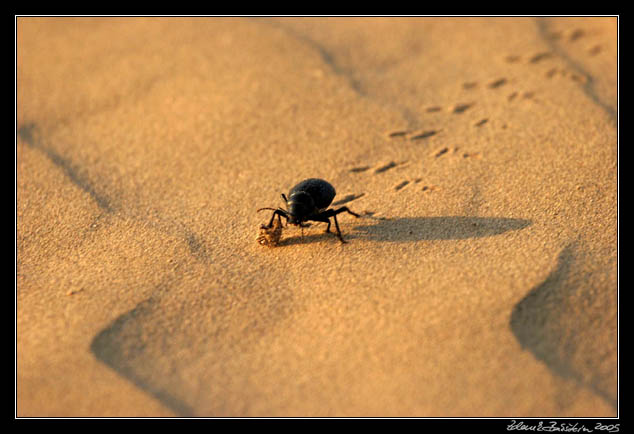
(270, 236)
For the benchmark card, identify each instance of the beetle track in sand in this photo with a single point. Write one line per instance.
(539, 60)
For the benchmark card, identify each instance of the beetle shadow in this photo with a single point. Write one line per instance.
(312, 235)
(408, 229)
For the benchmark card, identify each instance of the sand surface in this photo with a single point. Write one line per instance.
(480, 280)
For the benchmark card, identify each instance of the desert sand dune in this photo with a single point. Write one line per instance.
(480, 279)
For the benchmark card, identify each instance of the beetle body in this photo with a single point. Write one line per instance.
(308, 198)
(309, 201)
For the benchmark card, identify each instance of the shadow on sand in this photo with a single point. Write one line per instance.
(407, 229)
(549, 322)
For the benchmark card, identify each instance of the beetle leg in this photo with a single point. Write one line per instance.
(276, 212)
(338, 230)
(343, 209)
(272, 218)
(325, 218)
(322, 218)
(333, 213)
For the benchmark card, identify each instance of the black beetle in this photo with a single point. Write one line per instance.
(309, 201)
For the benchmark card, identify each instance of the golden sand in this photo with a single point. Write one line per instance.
(481, 279)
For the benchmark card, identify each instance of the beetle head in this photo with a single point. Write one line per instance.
(300, 206)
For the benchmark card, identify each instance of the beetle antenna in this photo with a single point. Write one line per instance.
(274, 209)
